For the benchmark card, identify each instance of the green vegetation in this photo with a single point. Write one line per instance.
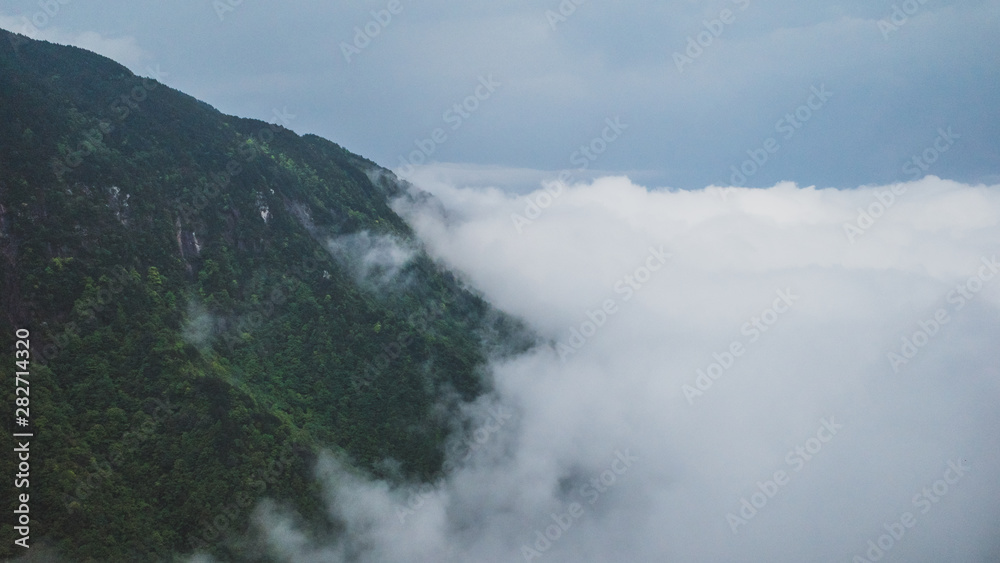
(194, 342)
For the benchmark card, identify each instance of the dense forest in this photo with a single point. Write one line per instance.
(211, 302)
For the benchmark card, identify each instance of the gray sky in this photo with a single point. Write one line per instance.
(558, 81)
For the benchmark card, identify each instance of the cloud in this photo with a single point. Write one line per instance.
(199, 326)
(737, 401)
(372, 259)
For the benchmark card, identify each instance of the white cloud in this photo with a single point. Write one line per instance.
(372, 259)
(198, 326)
(673, 469)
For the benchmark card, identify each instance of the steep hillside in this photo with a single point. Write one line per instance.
(210, 301)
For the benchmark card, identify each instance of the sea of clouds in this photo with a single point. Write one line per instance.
(783, 374)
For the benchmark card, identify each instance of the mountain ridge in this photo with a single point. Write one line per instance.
(205, 294)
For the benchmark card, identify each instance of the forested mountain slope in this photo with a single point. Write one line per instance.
(211, 300)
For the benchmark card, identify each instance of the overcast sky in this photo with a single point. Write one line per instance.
(692, 112)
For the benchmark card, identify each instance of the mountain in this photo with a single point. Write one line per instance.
(210, 301)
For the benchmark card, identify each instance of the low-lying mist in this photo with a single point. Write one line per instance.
(784, 374)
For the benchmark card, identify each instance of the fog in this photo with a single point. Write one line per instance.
(782, 374)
